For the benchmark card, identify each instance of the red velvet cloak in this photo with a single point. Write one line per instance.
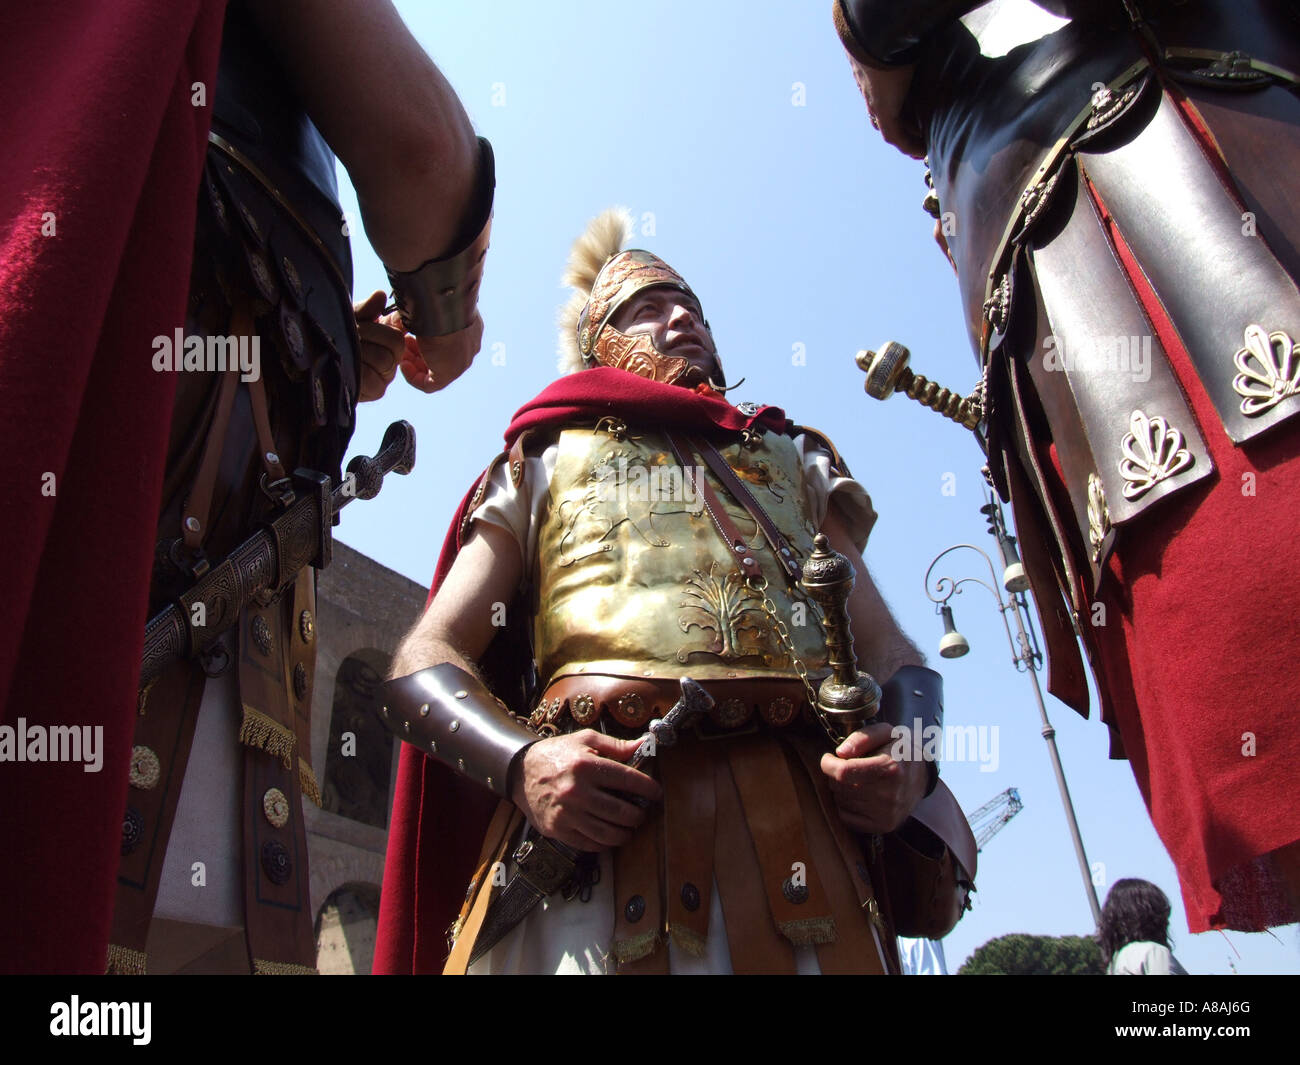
(104, 148)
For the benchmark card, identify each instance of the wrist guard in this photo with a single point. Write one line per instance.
(440, 297)
(449, 715)
(913, 698)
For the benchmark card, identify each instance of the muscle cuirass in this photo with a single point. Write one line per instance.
(635, 586)
(638, 581)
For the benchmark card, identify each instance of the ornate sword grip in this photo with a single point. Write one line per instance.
(847, 698)
(366, 473)
(663, 731)
(271, 557)
(888, 372)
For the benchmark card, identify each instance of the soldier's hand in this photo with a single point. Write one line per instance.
(383, 343)
(873, 792)
(566, 786)
(432, 363)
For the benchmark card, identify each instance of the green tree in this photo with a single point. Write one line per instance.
(1025, 955)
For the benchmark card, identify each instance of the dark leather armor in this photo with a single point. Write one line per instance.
(1045, 159)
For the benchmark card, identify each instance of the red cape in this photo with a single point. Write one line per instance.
(104, 148)
(1208, 722)
(439, 818)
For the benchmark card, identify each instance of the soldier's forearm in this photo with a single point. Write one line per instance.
(420, 650)
(451, 716)
(886, 657)
(390, 116)
(881, 646)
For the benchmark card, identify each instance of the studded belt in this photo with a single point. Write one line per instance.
(630, 703)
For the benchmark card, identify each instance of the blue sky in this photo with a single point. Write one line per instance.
(735, 135)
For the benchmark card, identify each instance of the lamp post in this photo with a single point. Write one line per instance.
(1025, 653)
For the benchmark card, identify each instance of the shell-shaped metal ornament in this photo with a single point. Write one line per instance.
(998, 306)
(1153, 452)
(1270, 370)
(1106, 105)
(1098, 515)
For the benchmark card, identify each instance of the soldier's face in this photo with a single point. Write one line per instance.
(676, 326)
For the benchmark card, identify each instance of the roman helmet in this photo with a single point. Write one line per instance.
(605, 276)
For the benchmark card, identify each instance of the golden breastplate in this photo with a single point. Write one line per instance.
(634, 579)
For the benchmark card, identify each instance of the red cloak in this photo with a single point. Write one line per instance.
(1200, 671)
(440, 818)
(105, 145)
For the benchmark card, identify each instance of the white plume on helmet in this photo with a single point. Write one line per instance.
(605, 236)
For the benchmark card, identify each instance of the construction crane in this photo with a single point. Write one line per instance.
(991, 818)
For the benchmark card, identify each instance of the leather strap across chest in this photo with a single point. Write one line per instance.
(683, 446)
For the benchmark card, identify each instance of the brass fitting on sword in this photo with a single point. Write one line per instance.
(846, 699)
(887, 372)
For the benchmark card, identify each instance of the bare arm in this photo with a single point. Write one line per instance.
(458, 627)
(879, 643)
(389, 115)
(567, 786)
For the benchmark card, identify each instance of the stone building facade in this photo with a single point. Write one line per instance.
(363, 609)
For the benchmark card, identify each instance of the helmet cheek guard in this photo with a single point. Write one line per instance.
(600, 344)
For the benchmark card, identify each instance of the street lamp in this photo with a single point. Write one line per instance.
(1025, 653)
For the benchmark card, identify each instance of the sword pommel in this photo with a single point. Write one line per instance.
(396, 454)
(663, 731)
(888, 372)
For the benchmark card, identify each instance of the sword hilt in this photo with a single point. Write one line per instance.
(847, 698)
(888, 372)
(271, 557)
(366, 473)
(662, 732)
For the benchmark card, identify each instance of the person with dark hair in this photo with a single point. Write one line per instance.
(1134, 933)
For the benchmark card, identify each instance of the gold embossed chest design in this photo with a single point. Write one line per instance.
(633, 578)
